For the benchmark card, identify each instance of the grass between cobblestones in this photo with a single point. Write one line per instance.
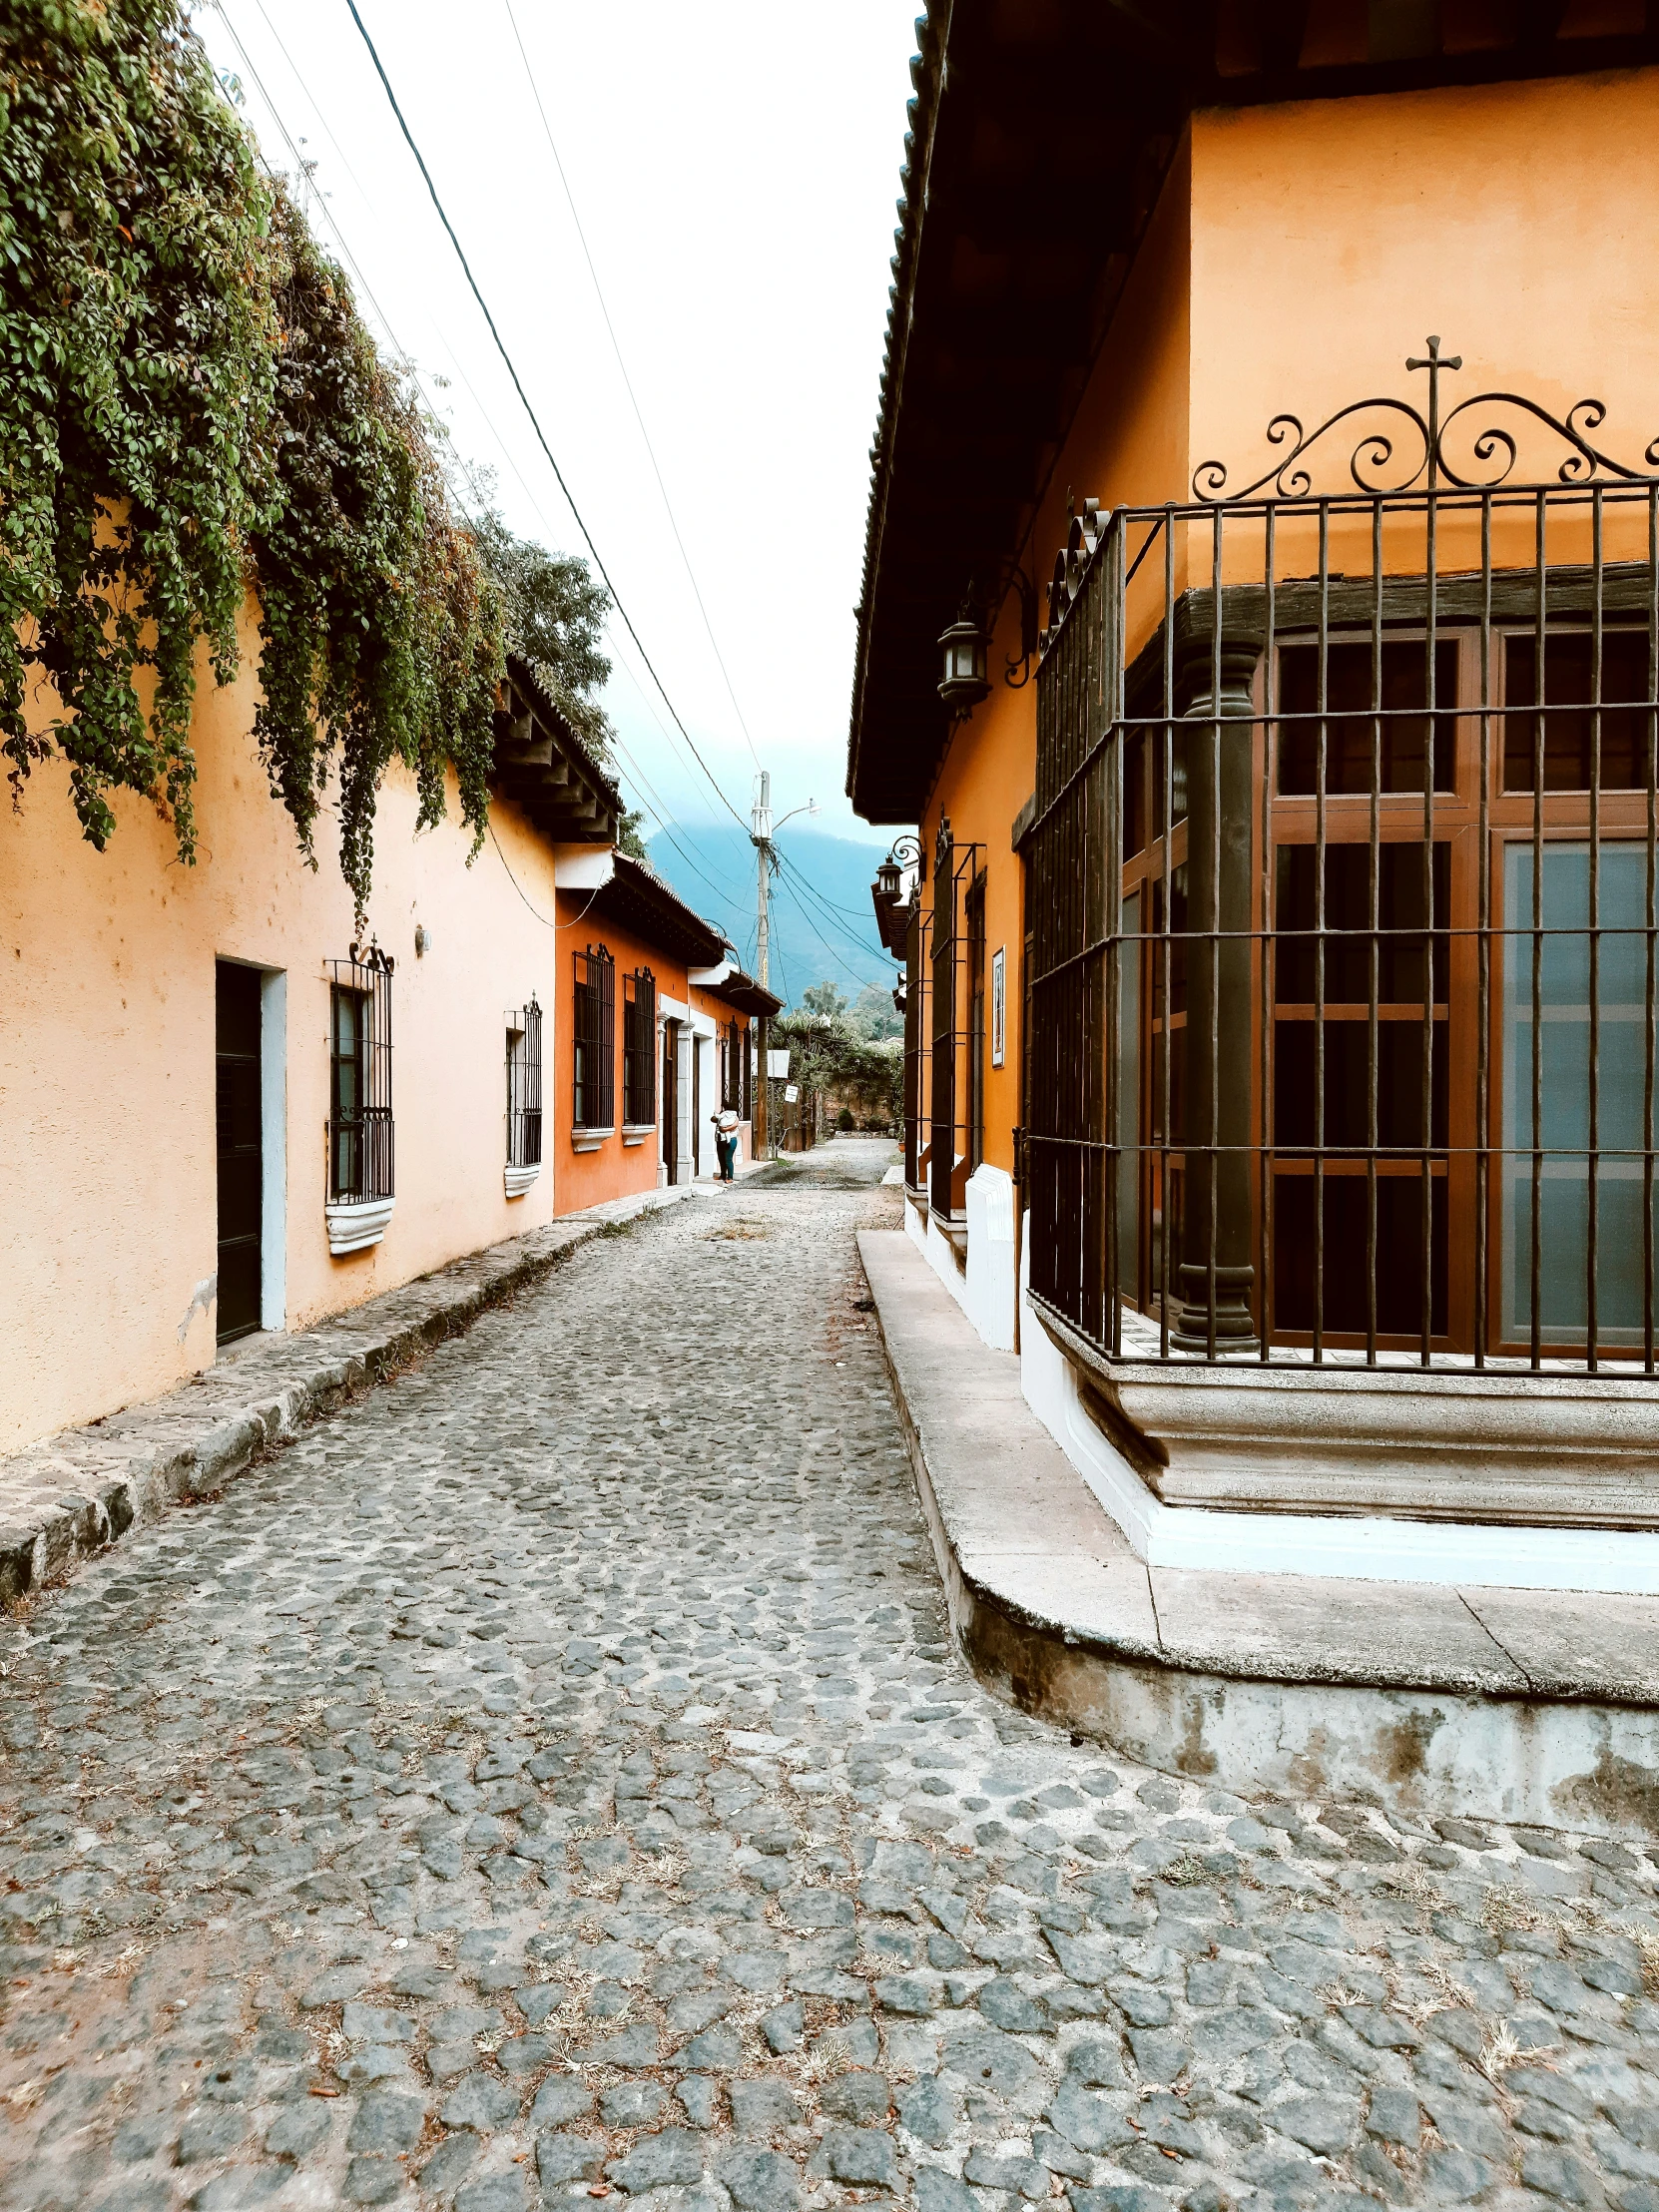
(550, 1777)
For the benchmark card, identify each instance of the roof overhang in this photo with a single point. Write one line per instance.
(543, 766)
(637, 899)
(745, 996)
(1033, 166)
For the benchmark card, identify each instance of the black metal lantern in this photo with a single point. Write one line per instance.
(964, 682)
(889, 879)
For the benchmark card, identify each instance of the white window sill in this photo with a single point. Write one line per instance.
(636, 1132)
(519, 1180)
(356, 1225)
(590, 1140)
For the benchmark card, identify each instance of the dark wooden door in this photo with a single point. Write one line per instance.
(669, 1111)
(241, 1167)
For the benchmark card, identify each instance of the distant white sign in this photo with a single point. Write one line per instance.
(778, 1063)
(792, 1091)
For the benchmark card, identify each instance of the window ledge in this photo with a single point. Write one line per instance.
(588, 1140)
(636, 1132)
(356, 1224)
(519, 1179)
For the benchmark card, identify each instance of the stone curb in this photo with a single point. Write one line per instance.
(1425, 1697)
(86, 1487)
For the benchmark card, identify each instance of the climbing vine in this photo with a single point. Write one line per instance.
(380, 630)
(190, 408)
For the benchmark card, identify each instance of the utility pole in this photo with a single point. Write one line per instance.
(761, 832)
(761, 837)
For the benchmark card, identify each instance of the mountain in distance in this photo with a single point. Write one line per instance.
(712, 870)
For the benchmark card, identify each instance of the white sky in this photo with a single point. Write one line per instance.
(735, 166)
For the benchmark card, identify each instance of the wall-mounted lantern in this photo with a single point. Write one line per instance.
(964, 682)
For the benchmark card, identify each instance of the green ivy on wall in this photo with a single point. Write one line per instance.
(190, 406)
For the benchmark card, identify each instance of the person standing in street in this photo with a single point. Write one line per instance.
(727, 1139)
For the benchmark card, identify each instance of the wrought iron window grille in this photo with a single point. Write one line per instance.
(593, 1046)
(950, 1082)
(638, 1049)
(917, 1055)
(1343, 905)
(360, 1134)
(524, 1086)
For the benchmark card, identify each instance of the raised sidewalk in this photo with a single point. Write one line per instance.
(85, 1488)
(1518, 1705)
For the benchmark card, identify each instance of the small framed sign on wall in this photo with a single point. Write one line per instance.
(999, 1005)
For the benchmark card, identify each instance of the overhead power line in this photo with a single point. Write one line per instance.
(670, 826)
(650, 799)
(535, 423)
(627, 380)
(859, 944)
(817, 929)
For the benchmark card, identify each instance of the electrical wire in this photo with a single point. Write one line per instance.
(519, 888)
(824, 943)
(535, 423)
(664, 821)
(859, 944)
(830, 904)
(627, 380)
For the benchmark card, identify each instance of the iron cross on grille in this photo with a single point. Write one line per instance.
(1434, 364)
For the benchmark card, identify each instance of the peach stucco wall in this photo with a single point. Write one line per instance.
(106, 1074)
(1296, 256)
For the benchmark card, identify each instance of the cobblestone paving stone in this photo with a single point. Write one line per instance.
(550, 1777)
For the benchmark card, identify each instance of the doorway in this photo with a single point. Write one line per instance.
(696, 1106)
(668, 1115)
(239, 1115)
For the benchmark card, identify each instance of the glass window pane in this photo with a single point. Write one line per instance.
(1557, 1054)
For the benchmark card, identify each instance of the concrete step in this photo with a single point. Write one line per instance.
(1506, 1703)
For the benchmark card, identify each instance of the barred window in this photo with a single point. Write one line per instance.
(360, 1147)
(593, 1051)
(524, 1086)
(639, 1048)
(1353, 1054)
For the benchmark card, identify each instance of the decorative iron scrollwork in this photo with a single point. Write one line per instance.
(1426, 447)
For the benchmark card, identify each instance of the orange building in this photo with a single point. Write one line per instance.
(225, 1109)
(656, 1031)
(1272, 688)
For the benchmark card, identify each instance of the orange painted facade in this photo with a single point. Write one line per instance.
(1297, 254)
(616, 1167)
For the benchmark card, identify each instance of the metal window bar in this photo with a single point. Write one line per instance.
(977, 1038)
(1343, 923)
(593, 1047)
(639, 1048)
(950, 1087)
(362, 1148)
(917, 1064)
(524, 1086)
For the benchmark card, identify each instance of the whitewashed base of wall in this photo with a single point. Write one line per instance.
(1375, 1546)
(986, 1288)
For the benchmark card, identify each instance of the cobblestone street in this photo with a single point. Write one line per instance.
(551, 1777)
